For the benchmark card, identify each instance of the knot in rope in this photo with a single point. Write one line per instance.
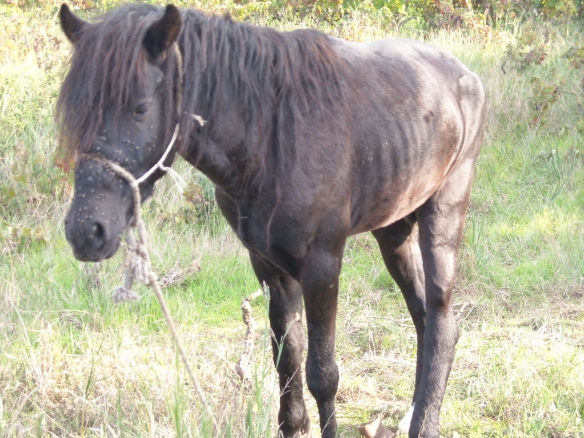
(137, 266)
(139, 262)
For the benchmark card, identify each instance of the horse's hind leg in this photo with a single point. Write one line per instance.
(285, 311)
(400, 249)
(440, 222)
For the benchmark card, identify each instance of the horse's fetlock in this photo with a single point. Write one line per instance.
(294, 422)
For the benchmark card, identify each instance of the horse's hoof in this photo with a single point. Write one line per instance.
(305, 432)
(301, 434)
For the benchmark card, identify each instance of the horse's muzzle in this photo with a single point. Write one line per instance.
(90, 240)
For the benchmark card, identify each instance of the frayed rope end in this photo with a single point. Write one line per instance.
(139, 266)
(122, 294)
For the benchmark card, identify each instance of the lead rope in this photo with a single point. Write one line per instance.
(137, 263)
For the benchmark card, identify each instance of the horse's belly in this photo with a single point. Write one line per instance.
(389, 206)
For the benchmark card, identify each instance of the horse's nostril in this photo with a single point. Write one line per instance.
(98, 234)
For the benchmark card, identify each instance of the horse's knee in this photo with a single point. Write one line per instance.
(322, 380)
(417, 309)
(439, 285)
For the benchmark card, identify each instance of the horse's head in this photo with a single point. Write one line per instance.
(116, 102)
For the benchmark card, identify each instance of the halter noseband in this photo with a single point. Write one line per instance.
(133, 181)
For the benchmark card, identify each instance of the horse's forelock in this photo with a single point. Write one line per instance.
(107, 59)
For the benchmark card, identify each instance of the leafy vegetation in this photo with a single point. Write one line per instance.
(74, 364)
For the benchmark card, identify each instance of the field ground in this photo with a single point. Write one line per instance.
(72, 363)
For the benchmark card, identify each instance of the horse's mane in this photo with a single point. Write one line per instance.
(281, 79)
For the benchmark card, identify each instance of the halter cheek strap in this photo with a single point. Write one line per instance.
(179, 85)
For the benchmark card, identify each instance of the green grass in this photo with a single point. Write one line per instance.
(72, 363)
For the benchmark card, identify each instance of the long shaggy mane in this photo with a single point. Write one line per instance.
(282, 80)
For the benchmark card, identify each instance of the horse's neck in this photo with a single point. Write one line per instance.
(224, 153)
(224, 163)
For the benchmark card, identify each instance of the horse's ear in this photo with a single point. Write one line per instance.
(71, 24)
(163, 33)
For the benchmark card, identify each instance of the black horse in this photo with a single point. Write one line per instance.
(308, 140)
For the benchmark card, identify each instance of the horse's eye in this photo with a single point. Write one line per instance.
(141, 111)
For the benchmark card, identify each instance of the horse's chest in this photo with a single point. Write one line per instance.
(251, 233)
(249, 228)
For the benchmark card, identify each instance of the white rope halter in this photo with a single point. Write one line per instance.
(137, 262)
(137, 258)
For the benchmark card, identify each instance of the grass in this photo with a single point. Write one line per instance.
(74, 364)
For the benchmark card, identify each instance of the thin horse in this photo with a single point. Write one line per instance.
(309, 139)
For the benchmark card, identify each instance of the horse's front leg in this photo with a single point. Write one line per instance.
(320, 284)
(285, 311)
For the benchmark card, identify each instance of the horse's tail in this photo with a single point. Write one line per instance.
(473, 105)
